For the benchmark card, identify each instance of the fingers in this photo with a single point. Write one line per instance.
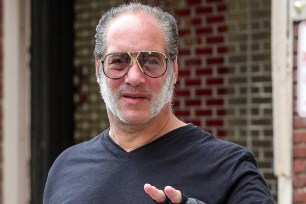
(156, 194)
(174, 195)
(159, 196)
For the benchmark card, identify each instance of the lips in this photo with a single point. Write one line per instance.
(133, 95)
(134, 98)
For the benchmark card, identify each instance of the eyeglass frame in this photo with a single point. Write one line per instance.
(102, 60)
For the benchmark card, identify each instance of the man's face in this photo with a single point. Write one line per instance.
(136, 98)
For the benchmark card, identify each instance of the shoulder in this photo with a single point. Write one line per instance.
(82, 147)
(67, 168)
(75, 153)
(69, 160)
(208, 144)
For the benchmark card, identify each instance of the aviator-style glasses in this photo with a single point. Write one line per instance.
(117, 64)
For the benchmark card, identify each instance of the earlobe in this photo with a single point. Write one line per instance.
(97, 68)
(97, 65)
(175, 67)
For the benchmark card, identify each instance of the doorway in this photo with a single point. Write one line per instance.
(52, 87)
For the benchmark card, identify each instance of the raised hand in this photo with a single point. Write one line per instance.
(159, 196)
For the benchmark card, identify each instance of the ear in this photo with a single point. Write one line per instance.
(97, 68)
(175, 69)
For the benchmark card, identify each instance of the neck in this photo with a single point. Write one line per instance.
(131, 137)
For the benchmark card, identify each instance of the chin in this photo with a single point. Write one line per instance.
(134, 120)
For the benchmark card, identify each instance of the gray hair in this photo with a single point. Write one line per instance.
(166, 21)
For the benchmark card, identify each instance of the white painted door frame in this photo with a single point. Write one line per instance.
(282, 74)
(16, 102)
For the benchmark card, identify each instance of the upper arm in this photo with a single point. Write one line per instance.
(246, 185)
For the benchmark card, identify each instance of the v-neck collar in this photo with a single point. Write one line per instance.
(116, 149)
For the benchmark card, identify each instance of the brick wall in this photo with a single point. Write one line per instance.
(202, 69)
(299, 140)
(90, 114)
(224, 78)
(249, 119)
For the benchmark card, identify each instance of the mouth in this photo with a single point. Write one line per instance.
(135, 98)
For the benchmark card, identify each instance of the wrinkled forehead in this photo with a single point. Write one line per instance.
(139, 31)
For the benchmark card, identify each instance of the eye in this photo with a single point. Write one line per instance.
(151, 58)
(118, 59)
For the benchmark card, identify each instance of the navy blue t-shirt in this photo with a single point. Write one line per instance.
(188, 158)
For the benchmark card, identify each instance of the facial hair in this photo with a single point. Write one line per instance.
(158, 100)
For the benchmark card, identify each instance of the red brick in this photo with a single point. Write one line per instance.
(214, 122)
(299, 197)
(215, 60)
(215, 81)
(196, 21)
(206, 30)
(204, 71)
(221, 133)
(215, 19)
(221, 112)
(205, 51)
(214, 40)
(194, 2)
(193, 102)
(294, 107)
(299, 122)
(295, 48)
(214, 102)
(299, 180)
(222, 8)
(193, 62)
(176, 103)
(184, 72)
(195, 122)
(299, 151)
(193, 82)
(222, 50)
(204, 92)
(222, 70)
(210, 1)
(204, 10)
(299, 136)
(221, 91)
(294, 91)
(182, 12)
(182, 92)
(203, 112)
(182, 113)
(299, 165)
(184, 32)
(184, 52)
(295, 60)
(295, 31)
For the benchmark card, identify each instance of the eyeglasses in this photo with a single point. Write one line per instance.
(117, 64)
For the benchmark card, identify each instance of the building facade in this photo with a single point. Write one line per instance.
(237, 79)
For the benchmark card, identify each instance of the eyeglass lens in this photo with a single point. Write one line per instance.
(116, 65)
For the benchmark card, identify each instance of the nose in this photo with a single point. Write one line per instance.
(135, 75)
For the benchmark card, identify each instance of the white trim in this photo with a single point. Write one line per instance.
(16, 104)
(282, 71)
(301, 70)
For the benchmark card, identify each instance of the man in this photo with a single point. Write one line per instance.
(148, 155)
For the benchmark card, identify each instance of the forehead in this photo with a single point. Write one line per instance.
(135, 32)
